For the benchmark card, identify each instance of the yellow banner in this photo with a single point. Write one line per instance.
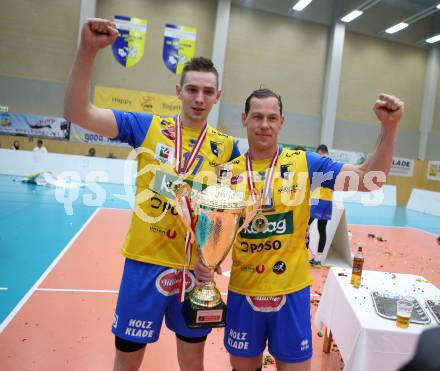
(136, 101)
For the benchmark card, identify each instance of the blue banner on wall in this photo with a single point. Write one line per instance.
(128, 48)
(178, 46)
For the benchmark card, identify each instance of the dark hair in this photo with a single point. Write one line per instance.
(199, 64)
(39, 141)
(322, 148)
(300, 148)
(261, 94)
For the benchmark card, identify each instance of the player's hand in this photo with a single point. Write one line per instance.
(202, 272)
(389, 110)
(98, 33)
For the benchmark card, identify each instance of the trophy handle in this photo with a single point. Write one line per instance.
(249, 215)
(180, 193)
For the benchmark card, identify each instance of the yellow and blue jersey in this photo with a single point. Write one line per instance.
(321, 203)
(275, 262)
(156, 234)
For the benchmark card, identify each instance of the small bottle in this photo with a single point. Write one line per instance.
(356, 273)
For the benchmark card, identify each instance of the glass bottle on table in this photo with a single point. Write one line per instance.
(356, 273)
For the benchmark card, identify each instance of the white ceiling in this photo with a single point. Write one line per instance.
(373, 22)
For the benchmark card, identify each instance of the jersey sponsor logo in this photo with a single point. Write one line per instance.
(215, 148)
(163, 181)
(213, 164)
(266, 303)
(169, 133)
(294, 153)
(140, 328)
(236, 179)
(235, 162)
(287, 171)
(171, 234)
(219, 133)
(238, 340)
(164, 153)
(251, 268)
(157, 203)
(279, 267)
(288, 189)
(115, 320)
(279, 224)
(167, 283)
(262, 246)
(304, 345)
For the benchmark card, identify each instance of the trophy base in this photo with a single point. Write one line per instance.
(200, 317)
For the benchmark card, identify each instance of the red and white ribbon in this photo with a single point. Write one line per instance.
(186, 207)
(267, 182)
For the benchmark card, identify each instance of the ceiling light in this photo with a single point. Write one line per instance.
(301, 4)
(438, 6)
(433, 39)
(352, 15)
(396, 28)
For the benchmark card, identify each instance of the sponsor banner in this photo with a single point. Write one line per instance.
(34, 126)
(136, 101)
(433, 170)
(78, 134)
(348, 157)
(178, 46)
(402, 167)
(128, 48)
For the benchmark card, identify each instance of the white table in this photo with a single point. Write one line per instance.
(365, 340)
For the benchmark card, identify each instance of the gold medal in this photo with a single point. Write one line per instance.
(260, 223)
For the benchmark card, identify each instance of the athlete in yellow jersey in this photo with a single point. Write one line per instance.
(269, 290)
(321, 209)
(155, 244)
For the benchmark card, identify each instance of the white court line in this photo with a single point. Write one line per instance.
(77, 290)
(25, 298)
(3, 288)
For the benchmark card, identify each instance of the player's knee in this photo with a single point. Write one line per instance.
(127, 346)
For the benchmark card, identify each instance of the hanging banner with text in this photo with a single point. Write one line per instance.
(125, 100)
(128, 48)
(433, 170)
(136, 101)
(178, 46)
(34, 126)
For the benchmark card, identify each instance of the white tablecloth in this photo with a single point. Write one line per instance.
(367, 341)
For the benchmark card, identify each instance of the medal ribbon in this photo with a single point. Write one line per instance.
(268, 181)
(186, 207)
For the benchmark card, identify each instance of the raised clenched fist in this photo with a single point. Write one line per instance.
(98, 33)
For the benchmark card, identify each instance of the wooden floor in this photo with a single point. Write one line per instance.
(65, 324)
